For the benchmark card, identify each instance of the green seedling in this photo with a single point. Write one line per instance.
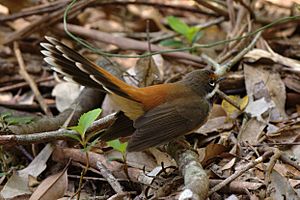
(118, 146)
(191, 34)
(7, 119)
(85, 121)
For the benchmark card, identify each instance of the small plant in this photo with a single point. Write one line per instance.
(118, 146)
(7, 119)
(191, 34)
(85, 121)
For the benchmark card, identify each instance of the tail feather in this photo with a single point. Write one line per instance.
(66, 67)
(81, 70)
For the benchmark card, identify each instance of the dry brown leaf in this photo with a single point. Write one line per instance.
(65, 93)
(162, 157)
(229, 165)
(292, 81)
(212, 151)
(280, 187)
(147, 72)
(18, 182)
(217, 124)
(286, 171)
(138, 160)
(53, 187)
(251, 131)
(260, 84)
(216, 111)
(257, 54)
(19, 24)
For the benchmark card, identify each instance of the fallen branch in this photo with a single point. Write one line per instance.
(87, 100)
(250, 165)
(196, 183)
(30, 81)
(126, 43)
(62, 155)
(54, 135)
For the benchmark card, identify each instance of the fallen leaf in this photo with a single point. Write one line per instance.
(280, 187)
(217, 124)
(212, 151)
(146, 72)
(18, 182)
(65, 93)
(292, 82)
(251, 131)
(232, 111)
(256, 54)
(53, 187)
(261, 83)
(162, 157)
(259, 108)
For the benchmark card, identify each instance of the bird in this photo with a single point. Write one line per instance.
(152, 115)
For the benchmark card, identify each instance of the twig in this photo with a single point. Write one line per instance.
(54, 135)
(250, 165)
(63, 154)
(125, 43)
(252, 14)
(51, 7)
(273, 160)
(226, 98)
(113, 182)
(226, 67)
(195, 178)
(286, 159)
(157, 4)
(44, 21)
(218, 10)
(30, 81)
(24, 84)
(87, 100)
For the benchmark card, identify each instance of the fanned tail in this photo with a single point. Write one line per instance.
(79, 69)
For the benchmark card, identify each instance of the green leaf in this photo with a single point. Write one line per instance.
(117, 145)
(75, 137)
(191, 34)
(171, 43)
(11, 120)
(197, 36)
(93, 143)
(178, 25)
(86, 120)
(5, 114)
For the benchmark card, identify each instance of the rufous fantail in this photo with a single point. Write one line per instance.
(154, 115)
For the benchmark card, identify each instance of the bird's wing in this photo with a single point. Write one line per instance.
(167, 122)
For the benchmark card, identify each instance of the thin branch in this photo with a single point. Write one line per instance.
(30, 81)
(195, 178)
(250, 165)
(216, 9)
(54, 135)
(226, 67)
(25, 84)
(113, 182)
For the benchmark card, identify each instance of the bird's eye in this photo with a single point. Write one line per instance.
(212, 83)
